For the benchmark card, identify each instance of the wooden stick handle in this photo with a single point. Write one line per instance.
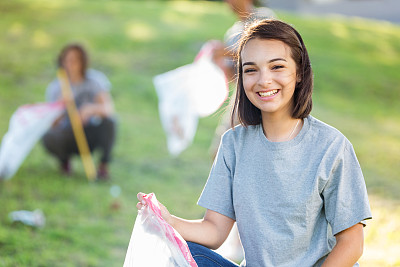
(77, 127)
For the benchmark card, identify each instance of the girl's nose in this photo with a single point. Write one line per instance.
(265, 78)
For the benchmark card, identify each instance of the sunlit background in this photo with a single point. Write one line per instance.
(356, 62)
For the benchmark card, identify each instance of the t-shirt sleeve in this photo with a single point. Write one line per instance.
(217, 193)
(53, 91)
(345, 194)
(100, 78)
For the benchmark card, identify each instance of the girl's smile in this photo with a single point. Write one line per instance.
(265, 94)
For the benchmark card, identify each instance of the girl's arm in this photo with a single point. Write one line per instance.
(348, 249)
(211, 231)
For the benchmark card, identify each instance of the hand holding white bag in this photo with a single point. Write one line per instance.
(154, 242)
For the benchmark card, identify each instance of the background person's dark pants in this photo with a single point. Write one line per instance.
(60, 140)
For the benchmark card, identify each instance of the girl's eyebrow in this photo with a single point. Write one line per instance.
(277, 59)
(248, 63)
(270, 61)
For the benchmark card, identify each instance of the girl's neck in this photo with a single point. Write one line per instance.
(281, 129)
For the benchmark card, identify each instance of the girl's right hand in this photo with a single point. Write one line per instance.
(164, 211)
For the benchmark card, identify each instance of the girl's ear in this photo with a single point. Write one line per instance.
(298, 78)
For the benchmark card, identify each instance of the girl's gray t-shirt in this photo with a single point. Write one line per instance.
(290, 198)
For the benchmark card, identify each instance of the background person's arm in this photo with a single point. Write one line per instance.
(102, 107)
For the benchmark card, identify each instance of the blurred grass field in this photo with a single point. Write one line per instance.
(356, 64)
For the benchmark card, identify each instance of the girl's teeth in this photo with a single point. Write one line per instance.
(269, 93)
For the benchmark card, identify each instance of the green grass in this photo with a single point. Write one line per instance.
(356, 64)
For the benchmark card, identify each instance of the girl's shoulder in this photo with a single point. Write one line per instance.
(240, 132)
(323, 126)
(323, 131)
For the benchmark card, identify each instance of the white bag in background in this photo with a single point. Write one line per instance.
(187, 93)
(208, 87)
(177, 115)
(154, 242)
(27, 125)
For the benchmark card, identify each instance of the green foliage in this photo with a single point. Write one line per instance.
(356, 64)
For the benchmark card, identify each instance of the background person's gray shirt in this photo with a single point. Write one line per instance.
(288, 198)
(84, 92)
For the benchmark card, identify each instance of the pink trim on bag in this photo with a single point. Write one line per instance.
(38, 110)
(171, 233)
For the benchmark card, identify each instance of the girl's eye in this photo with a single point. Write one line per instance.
(249, 70)
(277, 67)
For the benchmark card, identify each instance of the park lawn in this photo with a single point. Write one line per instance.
(356, 65)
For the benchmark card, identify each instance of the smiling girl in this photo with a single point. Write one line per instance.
(291, 182)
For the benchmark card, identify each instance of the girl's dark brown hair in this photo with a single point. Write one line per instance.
(82, 55)
(272, 29)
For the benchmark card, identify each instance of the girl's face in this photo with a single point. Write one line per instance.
(269, 76)
(73, 63)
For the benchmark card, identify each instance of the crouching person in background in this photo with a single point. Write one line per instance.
(91, 92)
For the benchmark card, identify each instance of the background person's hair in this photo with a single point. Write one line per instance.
(84, 58)
(272, 29)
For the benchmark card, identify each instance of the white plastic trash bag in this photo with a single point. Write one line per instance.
(187, 93)
(154, 242)
(179, 120)
(27, 125)
(208, 86)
